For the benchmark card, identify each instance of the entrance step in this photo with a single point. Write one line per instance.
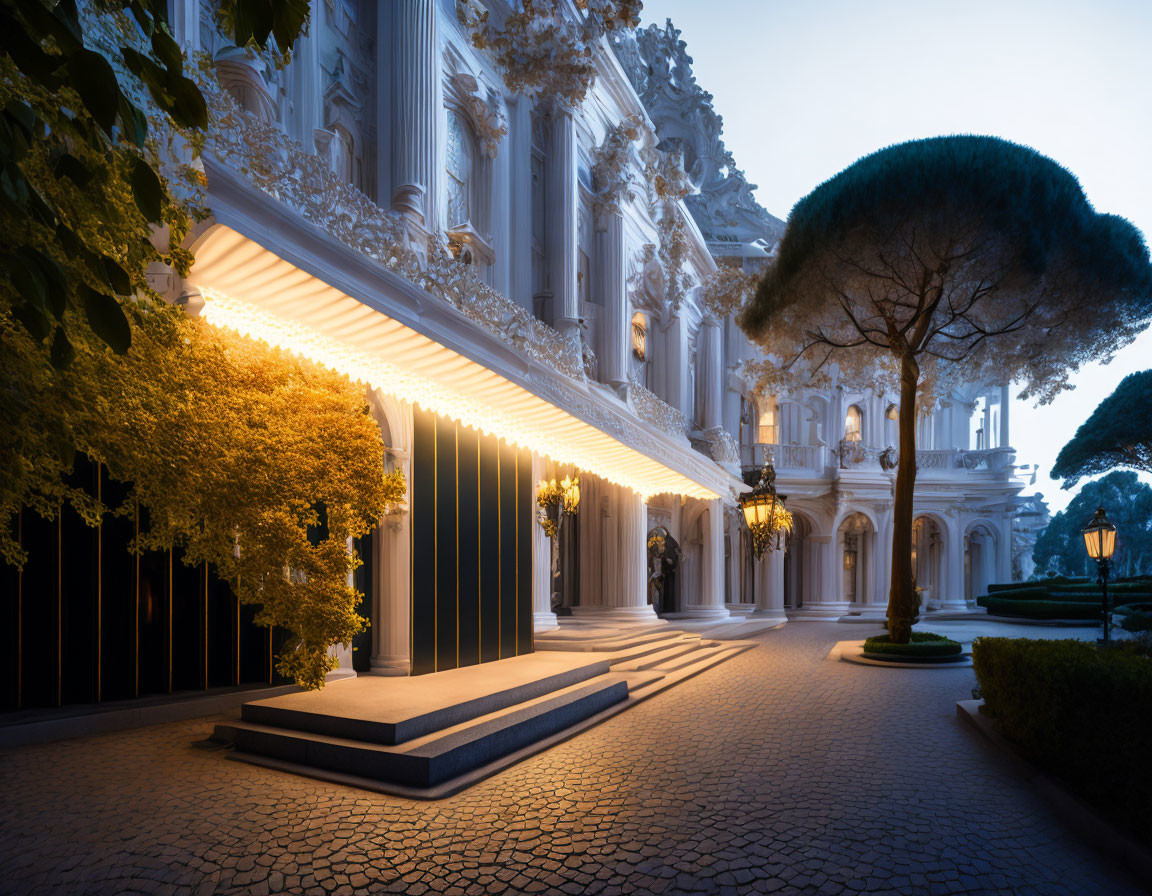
(636, 652)
(600, 639)
(669, 658)
(393, 711)
(430, 760)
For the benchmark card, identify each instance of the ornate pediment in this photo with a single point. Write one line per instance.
(722, 203)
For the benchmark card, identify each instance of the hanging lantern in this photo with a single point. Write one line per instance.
(765, 513)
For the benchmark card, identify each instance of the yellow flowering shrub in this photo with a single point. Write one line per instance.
(235, 449)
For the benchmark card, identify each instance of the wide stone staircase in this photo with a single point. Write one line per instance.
(429, 736)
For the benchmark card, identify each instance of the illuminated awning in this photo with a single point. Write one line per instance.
(253, 290)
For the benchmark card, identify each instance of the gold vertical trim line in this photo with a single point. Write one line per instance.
(457, 490)
(412, 551)
(436, 544)
(516, 531)
(60, 606)
(170, 620)
(237, 595)
(99, 587)
(479, 559)
(499, 556)
(204, 629)
(136, 615)
(20, 615)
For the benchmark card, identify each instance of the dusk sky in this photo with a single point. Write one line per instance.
(807, 88)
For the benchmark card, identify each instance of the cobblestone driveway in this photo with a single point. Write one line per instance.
(775, 772)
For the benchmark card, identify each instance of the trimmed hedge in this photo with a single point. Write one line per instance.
(1041, 609)
(921, 644)
(1081, 713)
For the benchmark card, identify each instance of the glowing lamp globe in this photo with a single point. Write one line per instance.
(1100, 537)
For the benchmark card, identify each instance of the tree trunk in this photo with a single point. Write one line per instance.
(902, 605)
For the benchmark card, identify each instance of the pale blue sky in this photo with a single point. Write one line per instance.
(806, 88)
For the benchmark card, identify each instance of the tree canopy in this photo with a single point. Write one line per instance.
(939, 262)
(1118, 434)
(954, 249)
(1060, 549)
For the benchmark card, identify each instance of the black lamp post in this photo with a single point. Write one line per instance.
(1100, 540)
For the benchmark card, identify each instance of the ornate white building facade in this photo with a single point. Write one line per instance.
(527, 284)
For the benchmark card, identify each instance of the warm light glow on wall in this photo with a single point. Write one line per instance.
(488, 402)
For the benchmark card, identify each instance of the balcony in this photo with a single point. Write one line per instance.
(954, 462)
(792, 460)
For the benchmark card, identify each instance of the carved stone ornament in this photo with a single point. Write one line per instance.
(280, 167)
(657, 63)
(484, 109)
(611, 177)
(542, 51)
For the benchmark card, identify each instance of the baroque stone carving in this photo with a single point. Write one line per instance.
(611, 178)
(668, 185)
(656, 411)
(485, 110)
(543, 52)
(280, 167)
(660, 69)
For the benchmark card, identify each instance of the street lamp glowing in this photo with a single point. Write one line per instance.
(764, 511)
(1100, 537)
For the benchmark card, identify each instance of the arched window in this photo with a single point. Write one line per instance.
(461, 163)
(769, 432)
(639, 336)
(854, 424)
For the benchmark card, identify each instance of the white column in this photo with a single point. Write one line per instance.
(616, 328)
(951, 579)
(710, 366)
(674, 361)
(563, 198)
(769, 581)
(822, 598)
(622, 560)
(543, 619)
(519, 237)
(416, 112)
(881, 560)
(391, 632)
(711, 599)
(1004, 432)
(1003, 562)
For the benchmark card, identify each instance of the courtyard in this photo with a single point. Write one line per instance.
(779, 771)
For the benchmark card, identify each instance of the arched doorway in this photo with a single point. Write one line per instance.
(663, 563)
(928, 562)
(797, 560)
(979, 560)
(855, 546)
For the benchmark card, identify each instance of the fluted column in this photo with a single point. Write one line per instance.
(1005, 435)
(622, 559)
(520, 172)
(416, 111)
(711, 368)
(616, 326)
(392, 557)
(769, 582)
(562, 208)
(543, 619)
(710, 601)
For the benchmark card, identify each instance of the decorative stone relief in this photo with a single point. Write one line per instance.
(668, 184)
(279, 166)
(660, 69)
(542, 51)
(611, 160)
(484, 108)
(656, 411)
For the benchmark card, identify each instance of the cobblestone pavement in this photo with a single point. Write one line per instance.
(778, 771)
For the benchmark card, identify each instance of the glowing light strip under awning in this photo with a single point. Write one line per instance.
(372, 348)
